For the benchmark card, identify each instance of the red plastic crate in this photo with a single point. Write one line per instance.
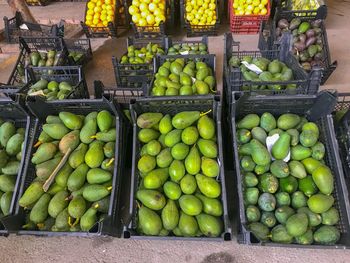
(246, 24)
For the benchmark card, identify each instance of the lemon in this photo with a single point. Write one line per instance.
(263, 11)
(142, 22)
(256, 2)
(91, 5)
(256, 10)
(150, 19)
(135, 3)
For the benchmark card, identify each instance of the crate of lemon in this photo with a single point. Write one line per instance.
(178, 182)
(148, 17)
(246, 16)
(103, 18)
(188, 75)
(200, 17)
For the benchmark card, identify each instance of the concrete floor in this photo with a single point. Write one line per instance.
(106, 249)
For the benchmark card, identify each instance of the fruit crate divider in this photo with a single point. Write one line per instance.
(172, 105)
(313, 106)
(40, 109)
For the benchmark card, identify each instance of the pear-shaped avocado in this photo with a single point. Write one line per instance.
(170, 215)
(209, 225)
(55, 130)
(185, 119)
(208, 186)
(89, 129)
(149, 221)
(104, 120)
(69, 141)
(71, 120)
(191, 205)
(188, 225)
(151, 199)
(77, 157)
(148, 119)
(39, 211)
(206, 127)
(208, 148)
(176, 170)
(89, 219)
(172, 138)
(165, 125)
(193, 161)
(95, 156)
(210, 167)
(156, 178)
(211, 206)
(190, 135)
(45, 152)
(164, 158)
(172, 190)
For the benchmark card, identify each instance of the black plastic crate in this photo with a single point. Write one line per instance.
(318, 13)
(209, 59)
(305, 83)
(204, 41)
(199, 30)
(136, 75)
(316, 108)
(149, 31)
(342, 128)
(71, 74)
(30, 44)
(122, 95)
(173, 105)
(13, 30)
(274, 42)
(37, 2)
(11, 110)
(41, 109)
(120, 24)
(79, 45)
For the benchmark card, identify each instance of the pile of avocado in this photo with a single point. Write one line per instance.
(178, 191)
(307, 41)
(182, 77)
(286, 201)
(78, 152)
(50, 90)
(11, 144)
(188, 49)
(143, 55)
(40, 59)
(272, 71)
(76, 55)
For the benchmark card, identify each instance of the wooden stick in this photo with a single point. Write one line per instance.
(52, 176)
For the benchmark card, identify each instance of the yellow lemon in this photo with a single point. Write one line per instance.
(150, 19)
(88, 17)
(105, 23)
(145, 13)
(152, 7)
(209, 19)
(189, 17)
(91, 5)
(256, 10)
(161, 6)
(212, 6)
(98, 3)
(142, 22)
(261, 6)
(135, 18)
(263, 11)
(197, 16)
(97, 9)
(200, 11)
(199, 2)
(88, 22)
(188, 8)
(143, 7)
(109, 7)
(110, 12)
(132, 10)
(195, 22)
(110, 18)
(248, 12)
(162, 18)
(250, 8)
(241, 12)
(90, 12)
(103, 12)
(146, 1)
(264, 2)
(256, 2)
(95, 21)
(108, 2)
(157, 12)
(135, 3)
(205, 6)
(103, 17)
